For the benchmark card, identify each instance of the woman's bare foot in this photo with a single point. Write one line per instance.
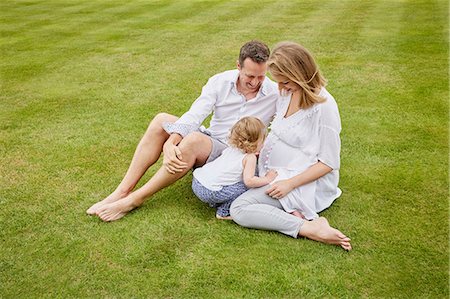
(298, 214)
(113, 197)
(115, 210)
(320, 230)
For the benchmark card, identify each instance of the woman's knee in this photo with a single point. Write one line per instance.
(243, 203)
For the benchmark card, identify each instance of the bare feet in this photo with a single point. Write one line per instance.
(115, 210)
(298, 214)
(320, 230)
(115, 196)
(223, 217)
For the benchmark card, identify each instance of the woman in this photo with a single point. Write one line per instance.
(303, 147)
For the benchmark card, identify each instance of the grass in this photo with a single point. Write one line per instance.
(80, 80)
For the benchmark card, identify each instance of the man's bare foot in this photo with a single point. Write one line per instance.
(115, 210)
(298, 214)
(320, 230)
(115, 196)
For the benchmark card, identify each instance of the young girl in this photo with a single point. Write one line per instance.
(221, 181)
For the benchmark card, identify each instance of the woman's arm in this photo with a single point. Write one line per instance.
(281, 188)
(250, 179)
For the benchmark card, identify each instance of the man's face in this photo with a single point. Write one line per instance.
(251, 74)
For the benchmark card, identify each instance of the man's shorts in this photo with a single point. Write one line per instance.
(217, 148)
(184, 129)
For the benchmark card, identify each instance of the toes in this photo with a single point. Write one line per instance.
(341, 235)
(92, 210)
(103, 216)
(101, 210)
(346, 246)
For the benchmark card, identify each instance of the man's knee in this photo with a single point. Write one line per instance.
(156, 125)
(195, 141)
(196, 145)
(161, 118)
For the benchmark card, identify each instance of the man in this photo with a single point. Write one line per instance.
(230, 96)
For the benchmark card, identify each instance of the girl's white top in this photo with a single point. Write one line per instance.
(225, 170)
(297, 142)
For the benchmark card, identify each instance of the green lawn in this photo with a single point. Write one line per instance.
(80, 81)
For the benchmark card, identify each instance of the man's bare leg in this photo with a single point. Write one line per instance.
(195, 147)
(320, 230)
(147, 153)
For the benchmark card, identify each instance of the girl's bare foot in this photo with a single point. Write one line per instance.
(223, 217)
(320, 230)
(113, 197)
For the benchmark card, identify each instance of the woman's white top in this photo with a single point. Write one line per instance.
(299, 141)
(225, 170)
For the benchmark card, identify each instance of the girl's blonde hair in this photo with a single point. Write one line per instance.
(294, 63)
(247, 133)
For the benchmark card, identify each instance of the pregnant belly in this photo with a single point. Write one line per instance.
(290, 158)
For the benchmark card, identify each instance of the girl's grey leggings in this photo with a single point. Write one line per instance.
(256, 209)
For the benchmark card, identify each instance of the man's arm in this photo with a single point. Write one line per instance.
(201, 108)
(189, 122)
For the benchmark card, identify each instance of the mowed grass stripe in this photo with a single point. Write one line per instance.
(79, 35)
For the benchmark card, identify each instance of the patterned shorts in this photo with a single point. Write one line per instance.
(221, 199)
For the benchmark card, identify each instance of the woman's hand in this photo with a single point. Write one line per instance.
(280, 189)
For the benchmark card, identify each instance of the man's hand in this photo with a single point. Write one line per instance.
(173, 158)
(279, 189)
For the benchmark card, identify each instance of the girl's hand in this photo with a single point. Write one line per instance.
(271, 175)
(279, 189)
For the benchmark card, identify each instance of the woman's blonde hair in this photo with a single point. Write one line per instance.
(293, 62)
(247, 133)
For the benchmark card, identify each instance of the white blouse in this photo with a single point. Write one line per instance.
(299, 141)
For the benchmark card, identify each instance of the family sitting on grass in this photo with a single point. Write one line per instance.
(279, 182)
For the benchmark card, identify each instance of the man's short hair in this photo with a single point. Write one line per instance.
(255, 50)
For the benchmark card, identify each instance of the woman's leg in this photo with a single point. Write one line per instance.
(255, 209)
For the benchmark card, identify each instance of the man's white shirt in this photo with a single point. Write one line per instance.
(221, 97)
